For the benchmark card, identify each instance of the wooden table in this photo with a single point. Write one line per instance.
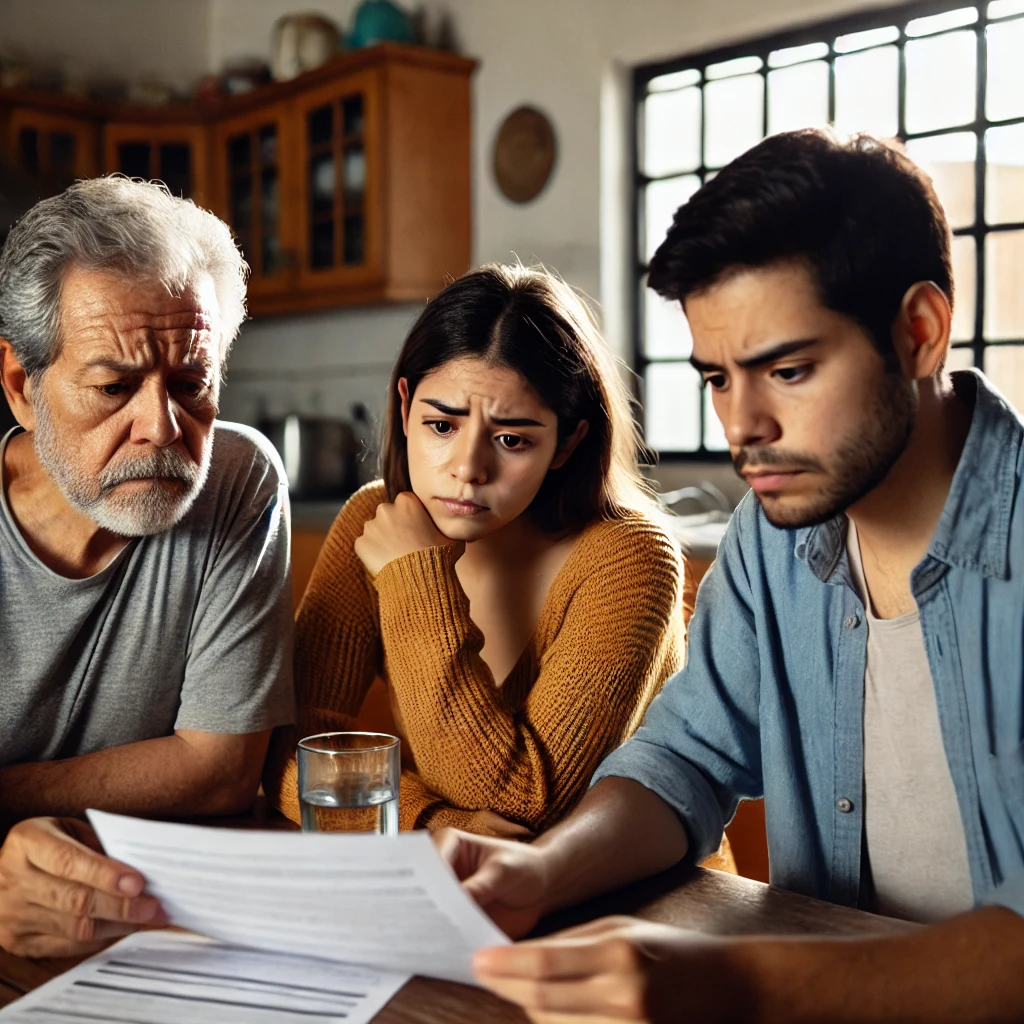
(708, 901)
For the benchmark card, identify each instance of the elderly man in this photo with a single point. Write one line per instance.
(145, 608)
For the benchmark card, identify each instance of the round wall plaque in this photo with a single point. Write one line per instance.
(524, 154)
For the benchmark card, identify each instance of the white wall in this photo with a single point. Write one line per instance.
(125, 39)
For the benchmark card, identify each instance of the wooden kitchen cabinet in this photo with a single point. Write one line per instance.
(254, 188)
(340, 213)
(373, 180)
(349, 185)
(60, 142)
(176, 152)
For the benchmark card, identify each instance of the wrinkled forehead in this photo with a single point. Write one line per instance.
(138, 322)
(471, 380)
(752, 307)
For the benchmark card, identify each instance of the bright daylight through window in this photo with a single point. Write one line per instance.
(949, 81)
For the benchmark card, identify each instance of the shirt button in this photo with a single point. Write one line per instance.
(851, 622)
(844, 805)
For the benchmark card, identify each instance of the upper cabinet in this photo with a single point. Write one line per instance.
(349, 185)
(57, 140)
(176, 152)
(254, 191)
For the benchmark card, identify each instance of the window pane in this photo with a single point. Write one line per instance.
(862, 40)
(1005, 366)
(133, 159)
(734, 118)
(176, 168)
(866, 91)
(941, 81)
(673, 81)
(1004, 176)
(796, 54)
(1004, 298)
(353, 174)
(666, 329)
(960, 358)
(949, 160)
(62, 152)
(672, 407)
(798, 97)
(239, 152)
(714, 432)
(941, 22)
(352, 114)
(661, 200)
(1005, 96)
(965, 288)
(1005, 8)
(672, 132)
(320, 123)
(732, 68)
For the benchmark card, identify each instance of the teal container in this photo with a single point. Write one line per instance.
(380, 21)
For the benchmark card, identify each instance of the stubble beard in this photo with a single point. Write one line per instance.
(860, 463)
(143, 513)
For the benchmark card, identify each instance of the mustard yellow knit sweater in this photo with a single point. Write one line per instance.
(610, 632)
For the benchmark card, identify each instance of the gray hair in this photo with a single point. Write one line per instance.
(130, 227)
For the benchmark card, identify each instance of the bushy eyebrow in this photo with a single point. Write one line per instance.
(450, 410)
(780, 351)
(127, 369)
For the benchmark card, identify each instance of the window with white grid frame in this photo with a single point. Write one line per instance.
(946, 79)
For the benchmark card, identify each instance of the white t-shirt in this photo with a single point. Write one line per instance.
(915, 846)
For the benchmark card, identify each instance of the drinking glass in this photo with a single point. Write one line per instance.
(349, 782)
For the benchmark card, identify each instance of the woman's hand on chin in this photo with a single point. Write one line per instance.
(398, 528)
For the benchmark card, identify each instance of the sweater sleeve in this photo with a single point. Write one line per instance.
(619, 637)
(337, 647)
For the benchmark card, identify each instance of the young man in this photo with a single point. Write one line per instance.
(855, 655)
(145, 605)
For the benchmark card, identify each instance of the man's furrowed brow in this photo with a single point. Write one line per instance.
(770, 355)
(115, 365)
(701, 367)
(126, 368)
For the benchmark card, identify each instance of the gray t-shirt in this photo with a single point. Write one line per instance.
(916, 851)
(188, 629)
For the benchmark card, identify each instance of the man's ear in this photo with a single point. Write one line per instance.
(921, 331)
(569, 445)
(17, 386)
(403, 394)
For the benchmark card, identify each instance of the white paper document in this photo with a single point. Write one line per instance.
(388, 902)
(169, 977)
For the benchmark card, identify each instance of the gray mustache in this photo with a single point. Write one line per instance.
(164, 464)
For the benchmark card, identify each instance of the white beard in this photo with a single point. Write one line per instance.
(139, 514)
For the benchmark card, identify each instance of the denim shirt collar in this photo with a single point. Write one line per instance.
(974, 529)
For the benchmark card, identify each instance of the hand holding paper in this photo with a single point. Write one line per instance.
(387, 902)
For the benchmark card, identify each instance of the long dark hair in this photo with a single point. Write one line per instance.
(531, 322)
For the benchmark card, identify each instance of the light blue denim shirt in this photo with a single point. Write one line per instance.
(771, 700)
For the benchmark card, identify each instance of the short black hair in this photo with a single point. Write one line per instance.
(863, 217)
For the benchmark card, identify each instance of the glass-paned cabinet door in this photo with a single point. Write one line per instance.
(60, 147)
(338, 139)
(173, 154)
(253, 154)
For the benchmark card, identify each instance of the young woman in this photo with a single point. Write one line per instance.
(508, 578)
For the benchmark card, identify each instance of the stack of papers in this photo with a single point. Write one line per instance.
(168, 977)
(311, 926)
